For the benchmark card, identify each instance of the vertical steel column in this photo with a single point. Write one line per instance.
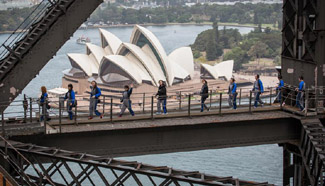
(210, 99)
(286, 167)
(220, 103)
(3, 124)
(143, 102)
(44, 115)
(291, 100)
(180, 100)
(306, 101)
(189, 106)
(239, 97)
(297, 174)
(60, 115)
(316, 98)
(39, 110)
(281, 100)
(30, 110)
(271, 96)
(111, 110)
(250, 101)
(76, 113)
(151, 107)
(104, 104)
(25, 105)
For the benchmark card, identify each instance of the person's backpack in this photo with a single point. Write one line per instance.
(75, 101)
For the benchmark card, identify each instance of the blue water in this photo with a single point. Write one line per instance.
(256, 163)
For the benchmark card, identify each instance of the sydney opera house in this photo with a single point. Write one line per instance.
(142, 62)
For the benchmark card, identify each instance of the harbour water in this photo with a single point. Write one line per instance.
(257, 163)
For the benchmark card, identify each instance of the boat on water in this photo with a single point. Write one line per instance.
(83, 40)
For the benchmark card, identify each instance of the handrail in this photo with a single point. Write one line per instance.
(29, 110)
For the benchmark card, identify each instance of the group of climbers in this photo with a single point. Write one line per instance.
(161, 96)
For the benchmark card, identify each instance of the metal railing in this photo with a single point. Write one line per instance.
(311, 99)
(22, 30)
(30, 110)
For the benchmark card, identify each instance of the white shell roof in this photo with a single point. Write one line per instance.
(149, 63)
(86, 63)
(113, 41)
(152, 68)
(222, 69)
(127, 66)
(179, 72)
(158, 47)
(97, 51)
(184, 58)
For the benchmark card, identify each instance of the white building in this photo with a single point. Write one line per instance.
(222, 70)
(142, 61)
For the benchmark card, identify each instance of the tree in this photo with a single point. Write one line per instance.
(216, 30)
(256, 21)
(211, 50)
(239, 56)
(267, 30)
(258, 50)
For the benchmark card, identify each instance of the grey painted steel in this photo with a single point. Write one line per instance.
(303, 41)
(45, 48)
(47, 163)
(164, 139)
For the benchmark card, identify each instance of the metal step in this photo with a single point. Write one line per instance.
(25, 43)
(12, 57)
(8, 62)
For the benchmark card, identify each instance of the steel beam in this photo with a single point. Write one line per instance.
(287, 167)
(27, 159)
(303, 42)
(165, 139)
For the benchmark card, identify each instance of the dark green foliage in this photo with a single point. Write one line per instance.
(226, 38)
(256, 45)
(196, 54)
(211, 50)
(239, 56)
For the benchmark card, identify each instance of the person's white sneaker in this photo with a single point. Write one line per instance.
(158, 113)
(165, 113)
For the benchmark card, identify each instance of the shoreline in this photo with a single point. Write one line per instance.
(158, 24)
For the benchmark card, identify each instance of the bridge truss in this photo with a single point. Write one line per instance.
(36, 165)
